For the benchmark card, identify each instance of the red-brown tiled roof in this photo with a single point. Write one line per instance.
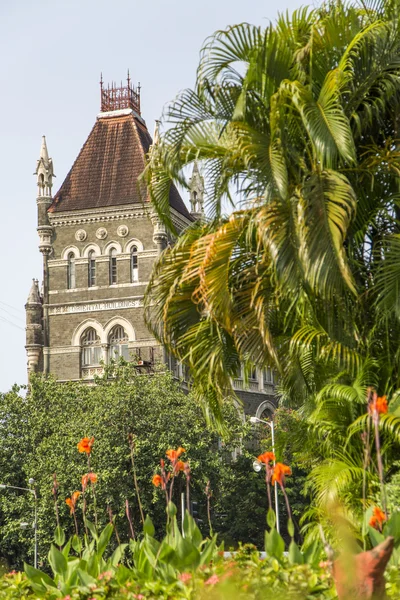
(108, 166)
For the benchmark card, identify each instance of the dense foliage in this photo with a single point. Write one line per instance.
(299, 120)
(39, 434)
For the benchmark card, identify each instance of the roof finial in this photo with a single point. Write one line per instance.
(101, 80)
(121, 97)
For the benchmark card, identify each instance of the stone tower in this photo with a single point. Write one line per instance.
(99, 238)
(34, 329)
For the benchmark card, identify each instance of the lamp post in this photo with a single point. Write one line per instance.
(31, 481)
(257, 465)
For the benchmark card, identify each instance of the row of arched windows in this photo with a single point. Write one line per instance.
(113, 269)
(91, 353)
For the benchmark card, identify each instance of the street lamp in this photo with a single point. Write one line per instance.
(31, 481)
(257, 466)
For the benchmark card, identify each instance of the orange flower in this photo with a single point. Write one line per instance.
(85, 445)
(279, 472)
(377, 404)
(157, 480)
(72, 501)
(266, 458)
(175, 454)
(381, 405)
(378, 518)
(89, 477)
(180, 466)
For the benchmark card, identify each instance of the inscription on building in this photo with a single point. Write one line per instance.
(82, 308)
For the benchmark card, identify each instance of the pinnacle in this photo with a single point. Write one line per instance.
(43, 150)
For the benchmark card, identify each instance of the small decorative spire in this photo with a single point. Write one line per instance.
(196, 188)
(44, 171)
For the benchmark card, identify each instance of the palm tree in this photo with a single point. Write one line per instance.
(299, 121)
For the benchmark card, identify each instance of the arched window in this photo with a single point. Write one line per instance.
(91, 348)
(113, 266)
(134, 265)
(71, 282)
(91, 269)
(118, 341)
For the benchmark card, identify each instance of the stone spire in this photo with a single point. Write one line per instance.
(196, 188)
(34, 331)
(44, 171)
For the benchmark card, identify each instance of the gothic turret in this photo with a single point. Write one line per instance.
(34, 332)
(45, 174)
(196, 187)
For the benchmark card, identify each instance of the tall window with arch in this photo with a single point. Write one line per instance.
(113, 266)
(91, 348)
(91, 269)
(71, 280)
(118, 343)
(134, 264)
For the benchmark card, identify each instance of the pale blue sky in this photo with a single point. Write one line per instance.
(52, 55)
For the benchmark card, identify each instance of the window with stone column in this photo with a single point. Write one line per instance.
(118, 344)
(91, 353)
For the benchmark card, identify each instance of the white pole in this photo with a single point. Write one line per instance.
(36, 528)
(183, 511)
(271, 424)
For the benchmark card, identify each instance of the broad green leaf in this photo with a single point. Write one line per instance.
(59, 536)
(104, 538)
(148, 527)
(295, 555)
(274, 544)
(57, 561)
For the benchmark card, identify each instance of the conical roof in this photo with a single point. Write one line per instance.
(34, 296)
(107, 168)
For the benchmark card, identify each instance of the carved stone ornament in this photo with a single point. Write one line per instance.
(81, 235)
(122, 231)
(101, 233)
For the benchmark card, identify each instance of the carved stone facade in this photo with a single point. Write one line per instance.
(99, 238)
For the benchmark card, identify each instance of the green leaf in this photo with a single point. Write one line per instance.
(59, 536)
(104, 538)
(392, 527)
(375, 536)
(76, 543)
(116, 556)
(271, 518)
(92, 529)
(148, 527)
(37, 576)
(274, 544)
(57, 561)
(295, 555)
(171, 509)
(290, 527)
(85, 578)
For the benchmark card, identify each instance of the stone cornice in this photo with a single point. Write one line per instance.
(114, 213)
(95, 215)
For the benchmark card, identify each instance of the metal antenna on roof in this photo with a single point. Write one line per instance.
(129, 80)
(101, 80)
